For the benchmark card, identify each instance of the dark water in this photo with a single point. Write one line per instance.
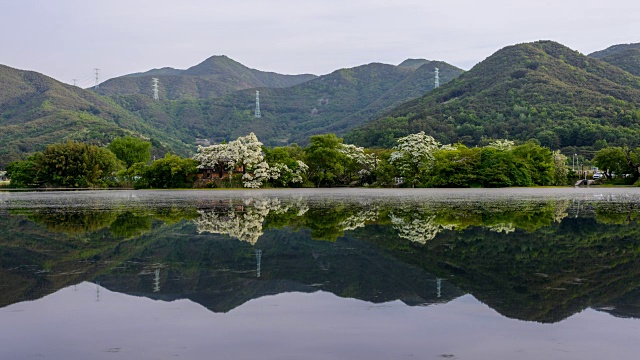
(311, 274)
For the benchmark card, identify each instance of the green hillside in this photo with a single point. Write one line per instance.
(613, 50)
(628, 59)
(36, 110)
(335, 102)
(214, 77)
(540, 90)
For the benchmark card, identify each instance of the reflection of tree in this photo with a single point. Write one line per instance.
(122, 223)
(72, 222)
(616, 213)
(128, 225)
(415, 227)
(247, 220)
(243, 221)
(421, 223)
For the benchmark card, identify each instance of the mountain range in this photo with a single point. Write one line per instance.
(216, 76)
(36, 110)
(541, 90)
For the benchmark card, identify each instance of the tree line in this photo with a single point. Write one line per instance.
(417, 160)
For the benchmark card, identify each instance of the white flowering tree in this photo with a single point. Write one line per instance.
(361, 163)
(246, 153)
(502, 145)
(413, 156)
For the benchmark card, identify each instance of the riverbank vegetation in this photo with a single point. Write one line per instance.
(417, 160)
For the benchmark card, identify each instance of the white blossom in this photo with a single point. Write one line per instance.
(502, 145)
(244, 222)
(417, 230)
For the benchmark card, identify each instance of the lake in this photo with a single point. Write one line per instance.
(536, 273)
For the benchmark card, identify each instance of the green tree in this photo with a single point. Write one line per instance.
(538, 160)
(456, 168)
(172, 171)
(612, 160)
(131, 150)
(76, 164)
(22, 173)
(326, 162)
(501, 168)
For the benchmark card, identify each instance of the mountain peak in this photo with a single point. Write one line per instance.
(413, 63)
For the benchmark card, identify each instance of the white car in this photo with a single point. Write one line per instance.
(597, 176)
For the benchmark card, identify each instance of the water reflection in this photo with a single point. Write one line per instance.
(534, 259)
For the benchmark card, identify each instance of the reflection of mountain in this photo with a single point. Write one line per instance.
(541, 261)
(209, 269)
(545, 276)
(221, 275)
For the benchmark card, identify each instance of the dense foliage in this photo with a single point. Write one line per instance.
(131, 150)
(70, 164)
(172, 171)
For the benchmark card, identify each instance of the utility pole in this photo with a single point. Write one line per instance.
(258, 115)
(155, 89)
(437, 82)
(75, 82)
(97, 72)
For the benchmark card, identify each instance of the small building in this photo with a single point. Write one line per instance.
(207, 174)
(203, 142)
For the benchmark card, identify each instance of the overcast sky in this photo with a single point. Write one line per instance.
(66, 39)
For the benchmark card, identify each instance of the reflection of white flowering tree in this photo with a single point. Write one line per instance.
(358, 219)
(502, 228)
(420, 229)
(243, 221)
(413, 156)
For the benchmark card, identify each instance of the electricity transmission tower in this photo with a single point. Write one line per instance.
(258, 261)
(75, 82)
(156, 281)
(258, 115)
(155, 89)
(97, 71)
(437, 82)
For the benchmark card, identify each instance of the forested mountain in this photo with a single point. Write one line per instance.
(540, 90)
(216, 76)
(36, 110)
(624, 56)
(613, 50)
(335, 102)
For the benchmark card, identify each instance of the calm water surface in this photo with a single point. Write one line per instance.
(321, 274)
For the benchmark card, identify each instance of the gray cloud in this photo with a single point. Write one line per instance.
(66, 39)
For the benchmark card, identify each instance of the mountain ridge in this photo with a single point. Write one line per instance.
(541, 90)
(216, 76)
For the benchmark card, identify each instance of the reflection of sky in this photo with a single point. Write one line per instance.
(71, 324)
